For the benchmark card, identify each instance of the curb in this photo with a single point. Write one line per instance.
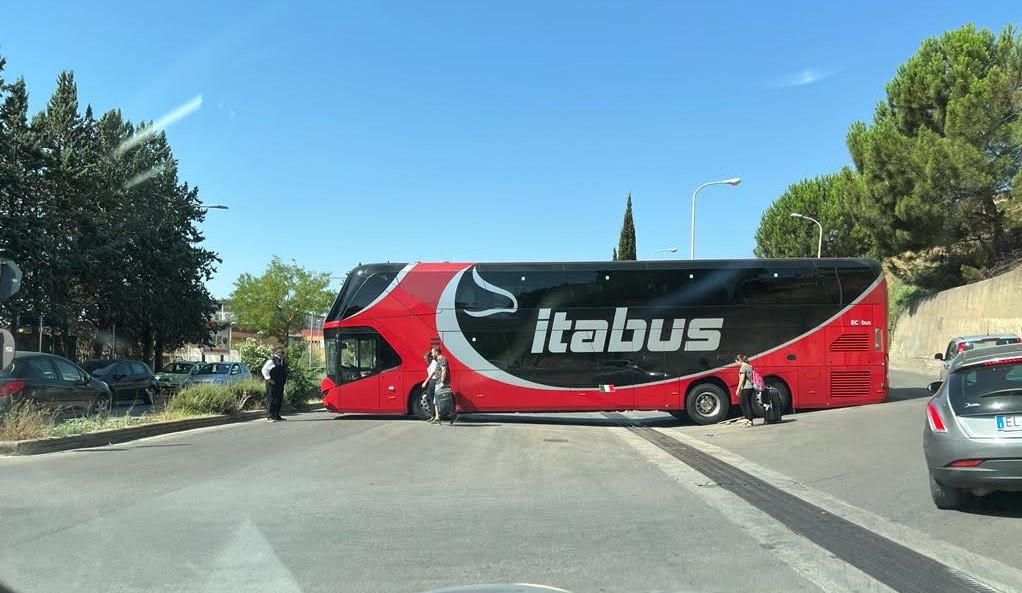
(120, 435)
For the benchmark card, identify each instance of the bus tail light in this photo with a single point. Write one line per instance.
(966, 463)
(936, 422)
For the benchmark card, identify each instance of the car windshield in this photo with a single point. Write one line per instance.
(986, 389)
(179, 367)
(214, 369)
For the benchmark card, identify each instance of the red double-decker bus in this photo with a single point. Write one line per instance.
(620, 335)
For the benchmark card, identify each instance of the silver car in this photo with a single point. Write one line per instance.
(965, 343)
(973, 434)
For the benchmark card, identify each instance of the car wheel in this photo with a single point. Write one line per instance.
(707, 404)
(101, 406)
(421, 407)
(946, 497)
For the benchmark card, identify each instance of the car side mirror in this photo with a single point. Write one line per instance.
(939, 356)
(934, 387)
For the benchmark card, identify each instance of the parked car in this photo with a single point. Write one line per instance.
(972, 439)
(176, 374)
(51, 381)
(129, 380)
(220, 372)
(965, 343)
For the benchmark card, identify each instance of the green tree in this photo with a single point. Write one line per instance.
(941, 162)
(626, 243)
(277, 302)
(826, 199)
(99, 248)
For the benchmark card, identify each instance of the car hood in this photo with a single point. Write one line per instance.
(172, 377)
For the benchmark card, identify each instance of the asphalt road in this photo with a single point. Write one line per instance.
(572, 501)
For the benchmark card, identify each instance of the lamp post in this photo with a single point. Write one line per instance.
(732, 182)
(819, 244)
(213, 207)
(665, 250)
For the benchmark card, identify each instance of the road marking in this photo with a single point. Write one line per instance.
(248, 563)
(818, 565)
(992, 572)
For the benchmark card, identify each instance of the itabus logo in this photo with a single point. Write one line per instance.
(559, 334)
(483, 284)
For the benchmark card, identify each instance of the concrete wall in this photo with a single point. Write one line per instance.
(990, 306)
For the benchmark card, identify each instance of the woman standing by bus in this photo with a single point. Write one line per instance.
(746, 390)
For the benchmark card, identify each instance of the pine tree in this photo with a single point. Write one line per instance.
(626, 244)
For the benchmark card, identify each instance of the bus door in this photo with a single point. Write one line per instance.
(369, 372)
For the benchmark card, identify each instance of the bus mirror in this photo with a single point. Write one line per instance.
(10, 279)
(6, 348)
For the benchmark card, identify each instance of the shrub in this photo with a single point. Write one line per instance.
(212, 398)
(206, 398)
(25, 420)
(254, 353)
(250, 393)
(302, 381)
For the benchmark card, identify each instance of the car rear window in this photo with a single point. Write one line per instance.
(989, 343)
(986, 389)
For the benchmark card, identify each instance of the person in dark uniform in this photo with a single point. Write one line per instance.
(275, 375)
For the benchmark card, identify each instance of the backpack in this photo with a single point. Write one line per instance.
(757, 381)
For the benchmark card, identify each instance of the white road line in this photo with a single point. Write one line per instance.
(989, 571)
(818, 565)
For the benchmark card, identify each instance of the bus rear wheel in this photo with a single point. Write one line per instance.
(421, 408)
(707, 404)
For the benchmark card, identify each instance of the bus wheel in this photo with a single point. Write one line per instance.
(707, 404)
(421, 408)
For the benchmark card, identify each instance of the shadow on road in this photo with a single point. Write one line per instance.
(906, 393)
(998, 504)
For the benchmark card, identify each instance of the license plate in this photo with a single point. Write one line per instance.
(1009, 423)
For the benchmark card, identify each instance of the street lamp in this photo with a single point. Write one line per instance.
(732, 181)
(212, 207)
(666, 250)
(819, 244)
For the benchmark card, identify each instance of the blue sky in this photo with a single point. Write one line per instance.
(351, 132)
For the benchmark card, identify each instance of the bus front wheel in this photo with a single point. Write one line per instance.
(707, 404)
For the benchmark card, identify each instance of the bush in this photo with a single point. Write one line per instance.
(25, 420)
(250, 393)
(212, 398)
(254, 353)
(302, 380)
(204, 399)
(901, 297)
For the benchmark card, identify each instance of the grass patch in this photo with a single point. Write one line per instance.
(211, 398)
(96, 423)
(24, 420)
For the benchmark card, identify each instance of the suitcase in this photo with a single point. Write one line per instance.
(771, 405)
(444, 398)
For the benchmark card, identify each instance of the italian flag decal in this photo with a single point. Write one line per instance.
(607, 388)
